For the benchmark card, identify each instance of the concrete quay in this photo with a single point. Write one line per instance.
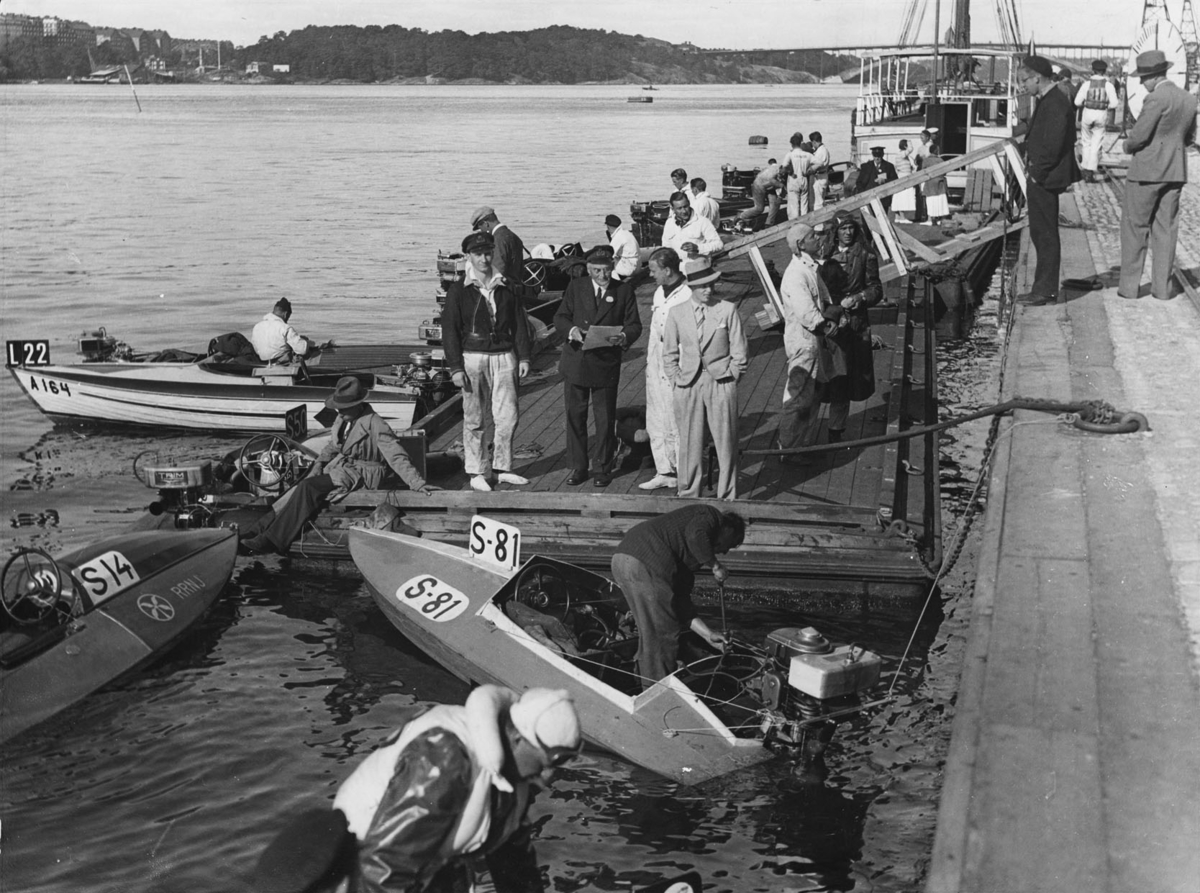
(1074, 763)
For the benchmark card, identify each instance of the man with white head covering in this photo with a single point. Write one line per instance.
(450, 788)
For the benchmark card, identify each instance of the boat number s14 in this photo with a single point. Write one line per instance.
(27, 353)
(106, 575)
(431, 598)
(495, 542)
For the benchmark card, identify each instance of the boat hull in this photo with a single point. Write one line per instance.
(189, 396)
(667, 729)
(181, 575)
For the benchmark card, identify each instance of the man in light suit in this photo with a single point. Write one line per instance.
(704, 354)
(594, 374)
(1050, 168)
(1157, 172)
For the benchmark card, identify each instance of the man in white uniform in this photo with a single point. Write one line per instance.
(625, 248)
(660, 415)
(1095, 97)
(687, 232)
(820, 172)
(801, 163)
(704, 204)
(274, 340)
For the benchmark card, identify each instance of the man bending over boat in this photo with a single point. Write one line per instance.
(360, 454)
(655, 565)
(274, 340)
(446, 796)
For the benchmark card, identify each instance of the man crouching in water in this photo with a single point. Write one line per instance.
(451, 789)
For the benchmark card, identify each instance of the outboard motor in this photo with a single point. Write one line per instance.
(432, 384)
(182, 491)
(100, 347)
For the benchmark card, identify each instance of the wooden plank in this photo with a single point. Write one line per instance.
(889, 234)
(917, 247)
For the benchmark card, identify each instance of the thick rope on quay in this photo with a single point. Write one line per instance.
(1094, 416)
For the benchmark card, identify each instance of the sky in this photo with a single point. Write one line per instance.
(737, 24)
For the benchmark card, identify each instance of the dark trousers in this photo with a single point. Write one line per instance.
(295, 507)
(653, 601)
(1150, 213)
(604, 400)
(1042, 205)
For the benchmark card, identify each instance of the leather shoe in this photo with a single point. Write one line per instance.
(602, 480)
(1033, 299)
(577, 477)
(255, 545)
(1128, 297)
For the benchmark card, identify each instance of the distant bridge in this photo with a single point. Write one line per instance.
(793, 58)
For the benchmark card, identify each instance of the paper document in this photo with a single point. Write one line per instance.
(597, 336)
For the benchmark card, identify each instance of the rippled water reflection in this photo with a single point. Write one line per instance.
(219, 199)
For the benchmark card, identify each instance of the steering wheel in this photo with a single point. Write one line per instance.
(541, 599)
(30, 586)
(272, 463)
(534, 273)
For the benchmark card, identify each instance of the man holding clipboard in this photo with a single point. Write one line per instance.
(599, 320)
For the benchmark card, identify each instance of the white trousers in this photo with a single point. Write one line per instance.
(797, 196)
(712, 404)
(1092, 127)
(660, 412)
(492, 378)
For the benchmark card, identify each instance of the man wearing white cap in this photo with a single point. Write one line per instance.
(805, 301)
(450, 786)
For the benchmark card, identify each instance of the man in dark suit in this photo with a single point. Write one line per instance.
(1050, 168)
(1157, 172)
(876, 172)
(592, 374)
(509, 253)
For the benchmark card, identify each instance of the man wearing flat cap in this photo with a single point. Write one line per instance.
(704, 355)
(362, 453)
(1050, 168)
(591, 366)
(486, 340)
(1096, 98)
(1157, 172)
(440, 806)
(509, 254)
(625, 248)
(874, 173)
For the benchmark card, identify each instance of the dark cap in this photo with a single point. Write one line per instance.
(477, 242)
(601, 254)
(877, 150)
(315, 847)
(1038, 65)
(612, 220)
(1099, 66)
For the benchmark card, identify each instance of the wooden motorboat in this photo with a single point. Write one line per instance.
(489, 617)
(71, 625)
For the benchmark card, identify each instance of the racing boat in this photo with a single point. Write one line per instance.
(489, 617)
(71, 625)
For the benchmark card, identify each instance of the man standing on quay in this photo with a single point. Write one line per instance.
(660, 410)
(1157, 172)
(1049, 169)
(592, 373)
(487, 350)
(509, 255)
(1096, 98)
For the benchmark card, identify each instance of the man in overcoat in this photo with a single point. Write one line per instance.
(1050, 168)
(592, 373)
(509, 252)
(1157, 172)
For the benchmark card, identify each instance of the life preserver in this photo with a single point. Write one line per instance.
(1097, 94)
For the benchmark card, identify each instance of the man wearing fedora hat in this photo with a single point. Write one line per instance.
(704, 355)
(1157, 171)
(592, 373)
(446, 796)
(1050, 168)
(625, 248)
(360, 454)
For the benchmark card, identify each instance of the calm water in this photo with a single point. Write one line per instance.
(186, 221)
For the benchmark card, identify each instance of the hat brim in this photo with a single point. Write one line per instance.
(334, 403)
(706, 279)
(1151, 72)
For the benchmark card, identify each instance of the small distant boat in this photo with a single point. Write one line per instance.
(71, 625)
(640, 99)
(649, 87)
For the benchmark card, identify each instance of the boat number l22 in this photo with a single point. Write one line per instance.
(495, 542)
(106, 575)
(431, 598)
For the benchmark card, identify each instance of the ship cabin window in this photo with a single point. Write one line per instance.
(989, 112)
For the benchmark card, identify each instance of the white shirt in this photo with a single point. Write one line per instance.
(661, 304)
(706, 206)
(820, 160)
(486, 288)
(802, 165)
(803, 296)
(1110, 93)
(272, 338)
(698, 230)
(625, 248)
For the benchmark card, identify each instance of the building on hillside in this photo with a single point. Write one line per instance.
(281, 69)
(138, 38)
(63, 31)
(14, 26)
(160, 42)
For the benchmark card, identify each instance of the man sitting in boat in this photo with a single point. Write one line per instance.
(655, 565)
(361, 453)
(450, 786)
(275, 341)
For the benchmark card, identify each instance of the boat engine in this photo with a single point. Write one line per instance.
(100, 347)
(807, 682)
(433, 385)
(183, 490)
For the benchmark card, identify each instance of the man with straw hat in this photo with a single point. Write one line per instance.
(1157, 172)
(361, 453)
